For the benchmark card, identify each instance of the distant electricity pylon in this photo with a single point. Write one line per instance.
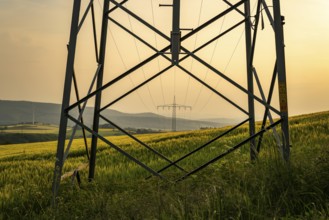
(174, 107)
(33, 115)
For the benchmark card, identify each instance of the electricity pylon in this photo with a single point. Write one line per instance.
(174, 107)
(179, 52)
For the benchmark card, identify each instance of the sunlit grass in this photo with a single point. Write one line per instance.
(30, 129)
(232, 188)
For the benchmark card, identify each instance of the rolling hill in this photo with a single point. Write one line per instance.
(15, 112)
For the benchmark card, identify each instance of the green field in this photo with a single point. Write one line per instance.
(27, 133)
(232, 188)
(32, 133)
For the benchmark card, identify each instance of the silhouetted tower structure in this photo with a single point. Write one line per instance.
(178, 53)
(33, 115)
(174, 107)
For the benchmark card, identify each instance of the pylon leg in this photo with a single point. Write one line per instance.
(99, 85)
(251, 102)
(66, 99)
(282, 81)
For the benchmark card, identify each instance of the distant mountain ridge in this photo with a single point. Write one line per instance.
(15, 112)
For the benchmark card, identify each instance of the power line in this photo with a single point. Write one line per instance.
(228, 63)
(174, 81)
(156, 45)
(139, 58)
(124, 64)
(211, 59)
(191, 66)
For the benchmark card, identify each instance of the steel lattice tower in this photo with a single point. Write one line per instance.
(174, 107)
(178, 54)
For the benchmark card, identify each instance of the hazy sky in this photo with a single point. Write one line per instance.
(34, 34)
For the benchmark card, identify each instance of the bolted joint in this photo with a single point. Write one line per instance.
(283, 20)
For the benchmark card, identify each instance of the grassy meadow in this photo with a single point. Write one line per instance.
(231, 188)
(26, 133)
(32, 133)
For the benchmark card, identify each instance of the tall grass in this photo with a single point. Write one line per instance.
(232, 188)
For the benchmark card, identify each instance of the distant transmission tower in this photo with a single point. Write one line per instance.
(174, 107)
(33, 115)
